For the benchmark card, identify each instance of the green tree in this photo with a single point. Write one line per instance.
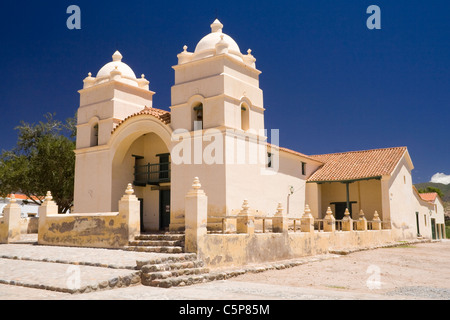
(432, 189)
(43, 160)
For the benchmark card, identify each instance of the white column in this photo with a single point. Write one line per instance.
(196, 215)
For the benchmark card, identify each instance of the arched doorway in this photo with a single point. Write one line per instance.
(142, 156)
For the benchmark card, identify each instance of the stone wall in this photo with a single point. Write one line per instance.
(246, 246)
(102, 230)
(232, 250)
(29, 225)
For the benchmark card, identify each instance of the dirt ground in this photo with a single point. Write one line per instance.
(421, 270)
(417, 271)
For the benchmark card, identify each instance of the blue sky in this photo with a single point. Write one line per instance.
(330, 84)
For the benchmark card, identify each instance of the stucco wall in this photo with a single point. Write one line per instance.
(403, 201)
(100, 230)
(92, 189)
(439, 211)
(240, 174)
(424, 210)
(220, 250)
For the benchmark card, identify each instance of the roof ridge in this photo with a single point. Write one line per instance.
(357, 151)
(292, 152)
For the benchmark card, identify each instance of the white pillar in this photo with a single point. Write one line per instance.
(47, 208)
(329, 224)
(361, 224)
(347, 222)
(196, 216)
(307, 220)
(280, 221)
(129, 210)
(376, 222)
(245, 221)
(11, 216)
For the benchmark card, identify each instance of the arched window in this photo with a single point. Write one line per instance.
(245, 117)
(94, 135)
(198, 116)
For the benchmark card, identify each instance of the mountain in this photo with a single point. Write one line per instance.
(445, 188)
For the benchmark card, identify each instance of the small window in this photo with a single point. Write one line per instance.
(244, 117)
(94, 135)
(269, 160)
(304, 168)
(198, 117)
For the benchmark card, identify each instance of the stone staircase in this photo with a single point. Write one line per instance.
(182, 271)
(176, 269)
(167, 242)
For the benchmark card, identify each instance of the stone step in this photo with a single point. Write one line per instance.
(173, 259)
(168, 266)
(163, 249)
(146, 277)
(177, 281)
(157, 243)
(162, 236)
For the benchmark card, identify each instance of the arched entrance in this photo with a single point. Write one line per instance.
(142, 156)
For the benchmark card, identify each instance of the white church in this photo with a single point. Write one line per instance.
(215, 131)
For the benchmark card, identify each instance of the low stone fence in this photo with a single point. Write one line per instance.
(101, 230)
(29, 225)
(277, 237)
(280, 223)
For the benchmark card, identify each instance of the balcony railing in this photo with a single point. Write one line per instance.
(151, 174)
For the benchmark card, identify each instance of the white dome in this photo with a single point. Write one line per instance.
(117, 63)
(209, 42)
(116, 71)
(207, 45)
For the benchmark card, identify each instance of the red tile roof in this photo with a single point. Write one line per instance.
(355, 165)
(430, 196)
(162, 115)
(24, 197)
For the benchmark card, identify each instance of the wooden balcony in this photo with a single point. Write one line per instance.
(151, 174)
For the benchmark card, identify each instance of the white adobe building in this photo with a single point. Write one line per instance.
(28, 208)
(215, 131)
(432, 224)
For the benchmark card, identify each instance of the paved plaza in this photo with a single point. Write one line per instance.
(413, 271)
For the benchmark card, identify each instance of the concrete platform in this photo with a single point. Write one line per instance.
(71, 269)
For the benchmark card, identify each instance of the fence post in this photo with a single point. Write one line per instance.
(11, 219)
(329, 224)
(279, 221)
(245, 221)
(47, 208)
(361, 224)
(307, 220)
(196, 215)
(129, 209)
(347, 222)
(376, 223)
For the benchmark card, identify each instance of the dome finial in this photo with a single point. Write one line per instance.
(216, 26)
(117, 56)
